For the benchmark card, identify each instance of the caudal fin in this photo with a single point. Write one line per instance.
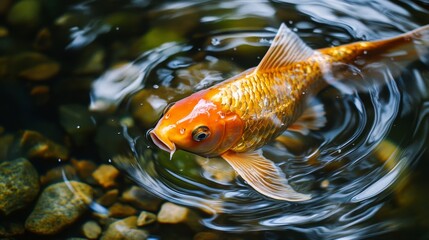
(406, 47)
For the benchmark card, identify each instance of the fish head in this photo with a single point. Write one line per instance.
(197, 125)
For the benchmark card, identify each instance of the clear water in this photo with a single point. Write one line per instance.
(354, 167)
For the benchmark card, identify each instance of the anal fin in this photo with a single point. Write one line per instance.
(263, 175)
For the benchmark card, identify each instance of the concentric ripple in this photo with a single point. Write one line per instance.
(376, 129)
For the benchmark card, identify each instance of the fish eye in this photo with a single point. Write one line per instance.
(167, 108)
(200, 133)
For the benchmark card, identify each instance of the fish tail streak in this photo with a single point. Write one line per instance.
(406, 47)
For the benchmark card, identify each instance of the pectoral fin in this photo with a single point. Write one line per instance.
(313, 118)
(263, 175)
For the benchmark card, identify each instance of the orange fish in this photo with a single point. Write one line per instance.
(238, 116)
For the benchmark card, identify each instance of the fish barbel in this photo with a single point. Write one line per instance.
(235, 118)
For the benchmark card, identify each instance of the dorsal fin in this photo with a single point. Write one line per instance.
(286, 48)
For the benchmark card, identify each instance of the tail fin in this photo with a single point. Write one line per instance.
(373, 56)
(406, 47)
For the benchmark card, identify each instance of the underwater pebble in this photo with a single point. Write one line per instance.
(125, 229)
(84, 169)
(145, 218)
(59, 206)
(42, 71)
(40, 94)
(387, 152)
(108, 198)
(25, 13)
(19, 185)
(34, 66)
(106, 175)
(141, 199)
(218, 168)
(32, 145)
(57, 174)
(3, 32)
(121, 210)
(173, 214)
(91, 230)
(147, 105)
(43, 40)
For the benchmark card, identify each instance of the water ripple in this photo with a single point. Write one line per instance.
(375, 131)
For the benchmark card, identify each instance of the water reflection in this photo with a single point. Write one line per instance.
(347, 166)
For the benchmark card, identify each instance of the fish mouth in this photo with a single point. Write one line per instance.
(165, 144)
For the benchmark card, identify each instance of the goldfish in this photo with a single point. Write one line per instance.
(235, 118)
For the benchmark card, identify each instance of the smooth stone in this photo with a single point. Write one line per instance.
(84, 169)
(34, 66)
(145, 218)
(109, 197)
(91, 230)
(105, 175)
(3, 32)
(32, 144)
(172, 213)
(19, 185)
(59, 206)
(147, 105)
(43, 39)
(217, 168)
(138, 197)
(121, 210)
(57, 174)
(125, 229)
(25, 13)
(41, 71)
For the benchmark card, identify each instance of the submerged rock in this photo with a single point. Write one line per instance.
(147, 105)
(141, 199)
(108, 198)
(35, 66)
(174, 214)
(106, 175)
(19, 185)
(121, 210)
(32, 144)
(217, 168)
(57, 174)
(84, 169)
(25, 13)
(91, 230)
(59, 206)
(145, 218)
(125, 229)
